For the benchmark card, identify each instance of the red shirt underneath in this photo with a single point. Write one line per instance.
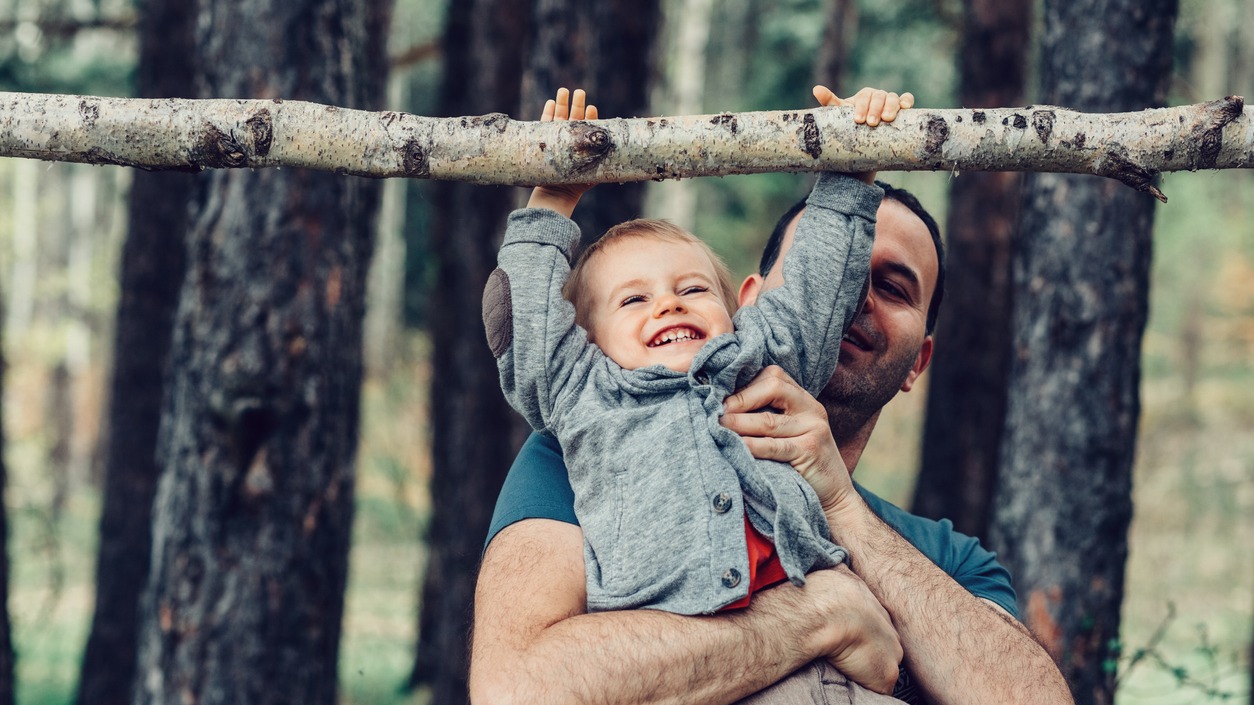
(764, 567)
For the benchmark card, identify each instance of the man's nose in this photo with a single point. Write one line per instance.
(868, 302)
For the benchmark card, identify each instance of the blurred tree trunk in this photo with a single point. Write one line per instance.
(606, 48)
(474, 433)
(966, 399)
(688, 25)
(1081, 280)
(153, 260)
(252, 518)
(7, 670)
(840, 30)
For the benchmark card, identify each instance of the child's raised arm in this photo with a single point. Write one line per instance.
(563, 197)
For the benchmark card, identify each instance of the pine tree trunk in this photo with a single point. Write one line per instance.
(840, 30)
(967, 385)
(1081, 280)
(607, 49)
(472, 441)
(152, 267)
(252, 518)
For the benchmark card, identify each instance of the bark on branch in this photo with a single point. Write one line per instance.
(494, 149)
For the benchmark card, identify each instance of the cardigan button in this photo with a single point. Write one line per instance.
(731, 578)
(722, 502)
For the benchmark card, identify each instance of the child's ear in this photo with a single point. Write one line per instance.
(750, 289)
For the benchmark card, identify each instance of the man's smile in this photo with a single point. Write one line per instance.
(857, 339)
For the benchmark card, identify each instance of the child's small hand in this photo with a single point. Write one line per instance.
(871, 106)
(563, 197)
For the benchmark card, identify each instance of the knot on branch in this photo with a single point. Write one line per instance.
(261, 127)
(937, 134)
(218, 150)
(811, 139)
(414, 160)
(1208, 133)
(90, 112)
(1116, 165)
(590, 145)
(1043, 124)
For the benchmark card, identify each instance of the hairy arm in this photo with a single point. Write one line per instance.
(958, 647)
(533, 643)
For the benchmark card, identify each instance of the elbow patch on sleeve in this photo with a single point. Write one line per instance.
(498, 312)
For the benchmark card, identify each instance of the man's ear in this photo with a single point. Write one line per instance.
(750, 289)
(921, 362)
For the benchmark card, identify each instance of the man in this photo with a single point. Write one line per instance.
(533, 641)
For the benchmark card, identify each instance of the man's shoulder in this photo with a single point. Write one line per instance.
(963, 557)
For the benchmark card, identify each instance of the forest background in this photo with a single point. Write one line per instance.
(1189, 597)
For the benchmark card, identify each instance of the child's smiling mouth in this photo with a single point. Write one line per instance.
(674, 335)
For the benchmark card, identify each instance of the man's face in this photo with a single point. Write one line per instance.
(887, 347)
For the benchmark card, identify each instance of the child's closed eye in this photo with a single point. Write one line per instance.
(633, 299)
(694, 290)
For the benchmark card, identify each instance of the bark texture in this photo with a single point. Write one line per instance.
(966, 399)
(474, 432)
(608, 49)
(153, 260)
(492, 149)
(259, 426)
(1081, 278)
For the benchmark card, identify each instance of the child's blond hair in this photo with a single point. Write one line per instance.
(576, 285)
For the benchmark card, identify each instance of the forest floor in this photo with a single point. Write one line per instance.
(1190, 580)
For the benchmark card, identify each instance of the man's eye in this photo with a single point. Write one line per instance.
(891, 289)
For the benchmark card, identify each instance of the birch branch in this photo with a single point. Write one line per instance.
(191, 135)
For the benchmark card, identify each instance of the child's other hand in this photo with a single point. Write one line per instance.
(871, 106)
(563, 197)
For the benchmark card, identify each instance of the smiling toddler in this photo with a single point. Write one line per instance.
(627, 359)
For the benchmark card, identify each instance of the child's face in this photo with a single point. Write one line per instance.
(653, 302)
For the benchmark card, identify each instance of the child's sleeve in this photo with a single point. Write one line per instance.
(531, 329)
(826, 274)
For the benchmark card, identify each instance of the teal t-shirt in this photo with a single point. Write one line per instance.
(537, 488)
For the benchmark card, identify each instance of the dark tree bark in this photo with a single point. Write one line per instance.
(252, 518)
(966, 400)
(609, 49)
(153, 258)
(839, 32)
(605, 48)
(474, 432)
(1081, 279)
(7, 670)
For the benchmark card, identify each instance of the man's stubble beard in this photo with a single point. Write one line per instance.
(853, 396)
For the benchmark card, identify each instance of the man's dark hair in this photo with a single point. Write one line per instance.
(771, 253)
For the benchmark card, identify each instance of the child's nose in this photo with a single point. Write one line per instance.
(668, 304)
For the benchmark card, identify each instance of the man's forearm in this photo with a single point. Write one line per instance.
(645, 656)
(532, 643)
(959, 648)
